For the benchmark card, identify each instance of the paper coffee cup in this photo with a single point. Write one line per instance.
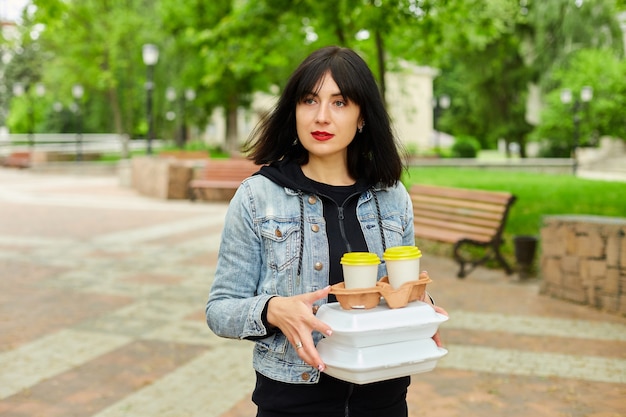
(360, 269)
(403, 264)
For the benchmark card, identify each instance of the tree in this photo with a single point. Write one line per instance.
(98, 44)
(602, 116)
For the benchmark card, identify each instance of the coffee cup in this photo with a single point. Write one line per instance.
(360, 269)
(403, 264)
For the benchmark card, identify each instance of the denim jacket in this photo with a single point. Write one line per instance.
(259, 257)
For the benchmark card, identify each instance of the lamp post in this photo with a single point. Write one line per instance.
(77, 93)
(586, 94)
(150, 54)
(439, 105)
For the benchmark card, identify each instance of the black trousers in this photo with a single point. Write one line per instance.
(331, 397)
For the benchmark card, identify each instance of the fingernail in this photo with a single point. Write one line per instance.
(329, 332)
(321, 367)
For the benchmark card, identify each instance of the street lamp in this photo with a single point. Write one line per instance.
(77, 93)
(439, 105)
(586, 94)
(150, 54)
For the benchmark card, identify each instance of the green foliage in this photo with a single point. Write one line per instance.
(602, 116)
(465, 147)
(226, 50)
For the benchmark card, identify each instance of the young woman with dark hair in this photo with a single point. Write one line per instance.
(330, 184)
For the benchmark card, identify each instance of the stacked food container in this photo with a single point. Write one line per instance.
(380, 343)
(375, 340)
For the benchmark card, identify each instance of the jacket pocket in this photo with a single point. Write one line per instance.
(281, 242)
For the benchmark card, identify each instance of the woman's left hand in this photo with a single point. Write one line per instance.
(294, 317)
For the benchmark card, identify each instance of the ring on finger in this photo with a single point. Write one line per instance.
(299, 345)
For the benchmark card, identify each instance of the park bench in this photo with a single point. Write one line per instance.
(220, 178)
(462, 217)
(17, 160)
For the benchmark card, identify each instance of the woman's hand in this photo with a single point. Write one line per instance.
(294, 317)
(437, 336)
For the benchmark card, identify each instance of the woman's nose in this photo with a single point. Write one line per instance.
(322, 114)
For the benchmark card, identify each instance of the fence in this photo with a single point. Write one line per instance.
(72, 144)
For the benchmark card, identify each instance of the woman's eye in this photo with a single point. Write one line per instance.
(309, 101)
(340, 103)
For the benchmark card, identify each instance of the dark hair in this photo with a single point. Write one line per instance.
(373, 155)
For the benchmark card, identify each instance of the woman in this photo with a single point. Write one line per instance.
(330, 185)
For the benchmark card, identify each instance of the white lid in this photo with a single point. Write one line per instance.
(378, 318)
(381, 324)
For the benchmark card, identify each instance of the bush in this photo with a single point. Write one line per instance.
(554, 149)
(465, 147)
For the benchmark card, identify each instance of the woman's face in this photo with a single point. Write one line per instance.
(325, 121)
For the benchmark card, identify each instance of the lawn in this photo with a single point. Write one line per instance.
(537, 195)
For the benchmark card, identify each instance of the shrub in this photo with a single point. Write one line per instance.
(465, 147)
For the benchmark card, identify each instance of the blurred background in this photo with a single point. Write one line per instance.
(522, 77)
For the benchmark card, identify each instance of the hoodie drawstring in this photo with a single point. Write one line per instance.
(380, 221)
(301, 197)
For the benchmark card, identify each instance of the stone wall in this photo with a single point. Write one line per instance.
(583, 259)
(164, 178)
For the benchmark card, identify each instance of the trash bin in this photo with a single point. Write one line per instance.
(525, 249)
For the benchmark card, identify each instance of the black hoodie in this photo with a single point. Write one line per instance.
(343, 229)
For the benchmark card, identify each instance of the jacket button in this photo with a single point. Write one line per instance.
(305, 376)
(312, 199)
(318, 266)
(315, 228)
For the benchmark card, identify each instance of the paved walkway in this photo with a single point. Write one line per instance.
(102, 296)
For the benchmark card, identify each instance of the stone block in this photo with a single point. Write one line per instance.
(572, 280)
(608, 303)
(551, 270)
(160, 177)
(570, 264)
(590, 245)
(621, 306)
(575, 295)
(611, 282)
(570, 240)
(613, 243)
(597, 268)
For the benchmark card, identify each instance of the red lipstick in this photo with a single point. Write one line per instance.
(322, 136)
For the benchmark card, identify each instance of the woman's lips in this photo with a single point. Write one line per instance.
(322, 135)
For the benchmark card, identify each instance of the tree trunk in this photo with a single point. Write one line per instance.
(232, 140)
(380, 49)
(117, 121)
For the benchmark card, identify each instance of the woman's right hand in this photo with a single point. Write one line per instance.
(294, 317)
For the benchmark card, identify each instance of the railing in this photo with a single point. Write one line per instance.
(86, 143)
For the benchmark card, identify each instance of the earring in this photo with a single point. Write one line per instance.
(361, 127)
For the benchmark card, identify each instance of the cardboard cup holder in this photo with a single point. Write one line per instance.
(366, 298)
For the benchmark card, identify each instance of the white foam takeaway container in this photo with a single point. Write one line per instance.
(380, 362)
(381, 324)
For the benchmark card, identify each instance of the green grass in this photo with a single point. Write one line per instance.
(537, 195)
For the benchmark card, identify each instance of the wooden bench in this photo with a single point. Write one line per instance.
(462, 217)
(220, 178)
(17, 160)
